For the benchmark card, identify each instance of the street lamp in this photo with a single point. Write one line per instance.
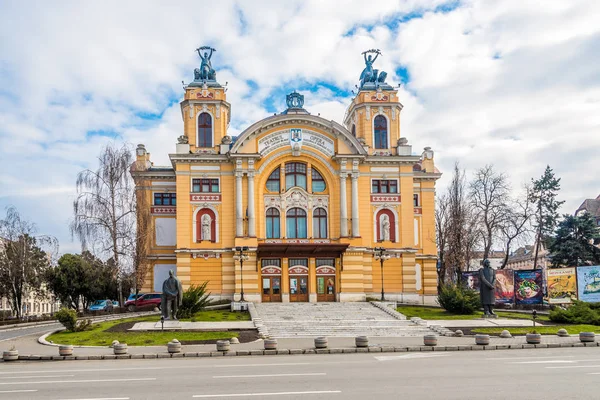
(241, 257)
(381, 255)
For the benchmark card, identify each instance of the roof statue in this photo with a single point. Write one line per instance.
(206, 73)
(295, 103)
(371, 78)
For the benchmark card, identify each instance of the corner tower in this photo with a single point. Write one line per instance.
(205, 110)
(373, 117)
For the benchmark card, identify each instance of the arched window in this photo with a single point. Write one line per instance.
(381, 132)
(295, 221)
(386, 226)
(205, 134)
(205, 225)
(295, 175)
(319, 223)
(273, 224)
(273, 181)
(354, 130)
(318, 183)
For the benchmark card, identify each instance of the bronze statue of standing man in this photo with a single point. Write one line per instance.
(487, 288)
(172, 296)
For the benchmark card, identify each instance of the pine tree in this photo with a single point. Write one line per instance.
(545, 190)
(573, 243)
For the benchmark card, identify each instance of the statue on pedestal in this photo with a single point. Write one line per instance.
(370, 75)
(487, 288)
(171, 298)
(206, 71)
(385, 228)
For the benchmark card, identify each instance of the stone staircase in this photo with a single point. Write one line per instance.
(289, 320)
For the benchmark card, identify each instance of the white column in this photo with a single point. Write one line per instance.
(355, 226)
(343, 208)
(251, 218)
(239, 212)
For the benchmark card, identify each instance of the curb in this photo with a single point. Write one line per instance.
(389, 310)
(344, 350)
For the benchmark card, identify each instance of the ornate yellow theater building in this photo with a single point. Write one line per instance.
(310, 204)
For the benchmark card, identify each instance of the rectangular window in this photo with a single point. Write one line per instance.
(330, 262)
(384, 186)
(292, 262)
(205, 185)
(165, 199)
(270, 262)
(416, 200)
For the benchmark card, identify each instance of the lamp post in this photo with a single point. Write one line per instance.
(241, 257)
(381, 255)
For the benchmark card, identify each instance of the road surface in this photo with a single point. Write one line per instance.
(572, 373)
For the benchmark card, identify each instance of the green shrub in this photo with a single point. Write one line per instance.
(458, 300)
(195, 299)
(578, 313)
(68, 318)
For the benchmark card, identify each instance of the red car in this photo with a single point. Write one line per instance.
(146, 300)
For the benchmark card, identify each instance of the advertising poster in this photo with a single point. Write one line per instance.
(471, 280)
(505, 286)
(562, 285)
(588, 283)
(529, 287)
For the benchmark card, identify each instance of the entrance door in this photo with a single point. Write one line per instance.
(271, 289)
(298, 288)
(325, 288)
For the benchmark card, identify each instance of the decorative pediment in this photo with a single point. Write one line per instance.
(270, 270)
(298, 270)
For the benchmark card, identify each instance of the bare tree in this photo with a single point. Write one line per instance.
(489, 194)
(460, 238)
(517, 223)
(104, 210)
(441, 229)
(143, 240)
(22, 261)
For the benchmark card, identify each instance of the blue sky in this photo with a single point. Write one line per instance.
(503, 82)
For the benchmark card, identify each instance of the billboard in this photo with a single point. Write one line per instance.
(588, 283)
(529, 287)
(505, 286)
(471, 280)
(562, 285)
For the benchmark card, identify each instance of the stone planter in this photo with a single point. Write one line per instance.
(270, 344)
(120, 349)
(10, 355)
(562, 333)
(65, 350)
(533, 338)
(321, 343)
(587, 337)
(482, 340)
(361, 341)
(430, 340)
(223, 345)
(174, 346)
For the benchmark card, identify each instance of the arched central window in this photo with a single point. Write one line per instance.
(273, 224)
(319, 223)
(273, 181)
(381, 132)
(205, 134)
(295, 221)
(318, 183)
(295, 175)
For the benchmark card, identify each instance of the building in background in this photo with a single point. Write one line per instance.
(310, 198)
(592, 207)
(523, 258)
(496, 259)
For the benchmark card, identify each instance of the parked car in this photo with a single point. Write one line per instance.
(132, 296)
(102, 305)
(146, 300)
(115, 303)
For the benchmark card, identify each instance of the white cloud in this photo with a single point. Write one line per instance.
(507, 82)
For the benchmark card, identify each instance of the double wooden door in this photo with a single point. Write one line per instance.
(271, 288)
(326, 288)
(298, 288)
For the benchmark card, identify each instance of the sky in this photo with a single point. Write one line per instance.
(511, 83)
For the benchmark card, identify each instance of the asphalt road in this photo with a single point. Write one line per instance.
(14, 333)
(514, 374)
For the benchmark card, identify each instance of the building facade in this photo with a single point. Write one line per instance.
(305, 201)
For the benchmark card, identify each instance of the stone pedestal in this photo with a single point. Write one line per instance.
(173, 324)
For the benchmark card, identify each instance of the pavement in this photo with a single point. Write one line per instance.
(550, 374)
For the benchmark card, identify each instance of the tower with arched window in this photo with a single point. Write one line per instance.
(311, 199)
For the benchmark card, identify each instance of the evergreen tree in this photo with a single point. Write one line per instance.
(545, 190)
(574, 241)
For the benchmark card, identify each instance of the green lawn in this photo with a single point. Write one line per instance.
(545, 330)
(440, 313)
(98, 336)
